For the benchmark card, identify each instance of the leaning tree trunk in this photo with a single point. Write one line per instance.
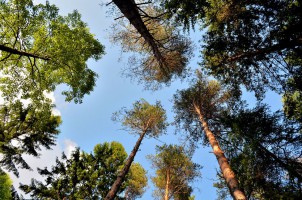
(130, 11)
(121, 176)
(225, 168)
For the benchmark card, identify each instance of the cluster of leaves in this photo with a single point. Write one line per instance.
(143, 118)
(174, 172)
(24, 130)
(41, 49)
(89, 176)
(5, 186)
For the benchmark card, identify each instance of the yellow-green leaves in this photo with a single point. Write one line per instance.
(143, 117)
(41, 49)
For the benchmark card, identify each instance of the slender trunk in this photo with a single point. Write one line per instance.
(130, 11)
(21, 53)
(167, 185)
(225, 168)
(121, 176)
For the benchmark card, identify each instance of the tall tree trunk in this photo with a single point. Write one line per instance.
(121, 176)
(130, 11)
(225, 168)
(167, 185)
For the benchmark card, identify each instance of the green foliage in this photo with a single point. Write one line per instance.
(41, 49)
(173, 165)
(265, 151)
(292, 98)
(135, 186)
(5, 186)
(209, 96)
(88, 175)
(185, 12)
(253, 42)
(143, 117)
(24, 130)
(292, 104)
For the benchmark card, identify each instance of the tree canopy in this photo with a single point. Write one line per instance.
(143, 117)
(264, 149)
(24, 130)
(174, 172)
(89, 175)
(41, 49)
(5, 186)
(163, 53)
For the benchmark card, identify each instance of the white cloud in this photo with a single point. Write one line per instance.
(51, 96)
(70, 146)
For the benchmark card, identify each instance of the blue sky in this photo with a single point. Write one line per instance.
(89, 123)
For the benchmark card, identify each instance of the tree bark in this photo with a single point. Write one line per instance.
(225, 168)
(167, 185)
(121, 176)
(130, 11)
(22, 53)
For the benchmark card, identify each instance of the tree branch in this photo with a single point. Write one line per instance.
(22, 53)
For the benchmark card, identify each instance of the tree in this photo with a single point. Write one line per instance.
(265, 151)
(174, 172)
(199, 106)
(135, 186)
(88, 175)
(164, 53)
(143, 119)
(24, 130)
(5, 186)
(40, 49)
(252, 43)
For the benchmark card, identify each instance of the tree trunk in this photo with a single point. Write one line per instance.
(130, 11)
(167, 185)
(121, 176)
(21, 53)
(225, 168)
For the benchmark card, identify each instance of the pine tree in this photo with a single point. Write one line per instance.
(174, 172)
(143, 119)
(199, 106)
